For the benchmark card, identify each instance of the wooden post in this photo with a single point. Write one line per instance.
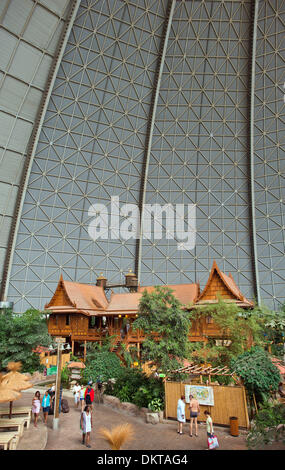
(245, 406)
(72, 347)
(84, 350)
(165, 399)
(59, 342)
(255, 405)
(201, 379)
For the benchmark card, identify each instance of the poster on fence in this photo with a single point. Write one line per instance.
(204, 395)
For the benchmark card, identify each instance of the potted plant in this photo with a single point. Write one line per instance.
(156, 406)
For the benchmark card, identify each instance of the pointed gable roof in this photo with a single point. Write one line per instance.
(223, 284)
(73, 296)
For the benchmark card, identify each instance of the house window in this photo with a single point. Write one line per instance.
(67, 320)
(94, 322)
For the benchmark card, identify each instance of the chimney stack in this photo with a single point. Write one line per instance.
(131, 281)
(101, 281)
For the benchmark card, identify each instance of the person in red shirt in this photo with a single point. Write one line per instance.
(89, 395)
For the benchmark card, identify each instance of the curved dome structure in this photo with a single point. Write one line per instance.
(148, 102)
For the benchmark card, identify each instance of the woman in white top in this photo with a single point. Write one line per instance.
(36, 407)
(81, 397)
(86, 425)
(76, 391)
(181, 414)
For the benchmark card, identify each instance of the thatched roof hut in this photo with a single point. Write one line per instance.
(14, 380)
(6, 394)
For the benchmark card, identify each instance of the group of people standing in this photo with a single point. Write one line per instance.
(194, 408)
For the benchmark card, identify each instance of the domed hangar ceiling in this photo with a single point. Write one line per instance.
(128, 104)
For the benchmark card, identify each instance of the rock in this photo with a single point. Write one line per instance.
(112, 401)
(160, 416)
(143, 412)
(152, 418)
(130, 408)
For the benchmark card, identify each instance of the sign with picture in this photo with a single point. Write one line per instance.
(204, 395)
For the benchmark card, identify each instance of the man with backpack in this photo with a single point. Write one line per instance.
(89, 395)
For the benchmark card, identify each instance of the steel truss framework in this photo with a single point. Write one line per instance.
(93, 139)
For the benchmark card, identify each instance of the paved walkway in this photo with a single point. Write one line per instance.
(147, 436)
(162, 436)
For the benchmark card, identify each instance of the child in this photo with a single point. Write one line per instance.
(209, 424)
(86, 425)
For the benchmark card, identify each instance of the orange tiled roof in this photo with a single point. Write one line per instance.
(185, 293)
(76, 365)
(91, 300)
(124, 303)
(84, 297)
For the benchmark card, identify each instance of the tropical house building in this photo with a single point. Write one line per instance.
(81, 313)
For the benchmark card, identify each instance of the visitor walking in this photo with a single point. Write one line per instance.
(76, 392)
(99, 387)
(81, 397)
(89, 395)
(86, 425)
(46, 405)
(36, 407)
(194, 411)
(181, 414)
(209, 424)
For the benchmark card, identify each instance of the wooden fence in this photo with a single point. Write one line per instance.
(228, 401)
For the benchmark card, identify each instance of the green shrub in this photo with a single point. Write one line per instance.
(268, 426)
(156, 405)
(65, 376)
(139, 388)
(102, 363)
(123, 394)
(20, 335)
(259, 374)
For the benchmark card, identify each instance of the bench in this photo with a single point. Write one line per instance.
(13, 423)
(9, 440)
(23, 410)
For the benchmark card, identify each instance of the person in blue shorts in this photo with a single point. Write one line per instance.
(46, 405)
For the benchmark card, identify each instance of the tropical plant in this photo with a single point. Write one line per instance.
(166, 327)
(134, 386)
(268, 426)
(156, 405)
(124, 394)
(65, 376)
(239, 329)
(101, 362)
(260, 376)
(19, 337)
(274, 330)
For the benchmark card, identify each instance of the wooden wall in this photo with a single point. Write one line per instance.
(229, 401)
(49, 361)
